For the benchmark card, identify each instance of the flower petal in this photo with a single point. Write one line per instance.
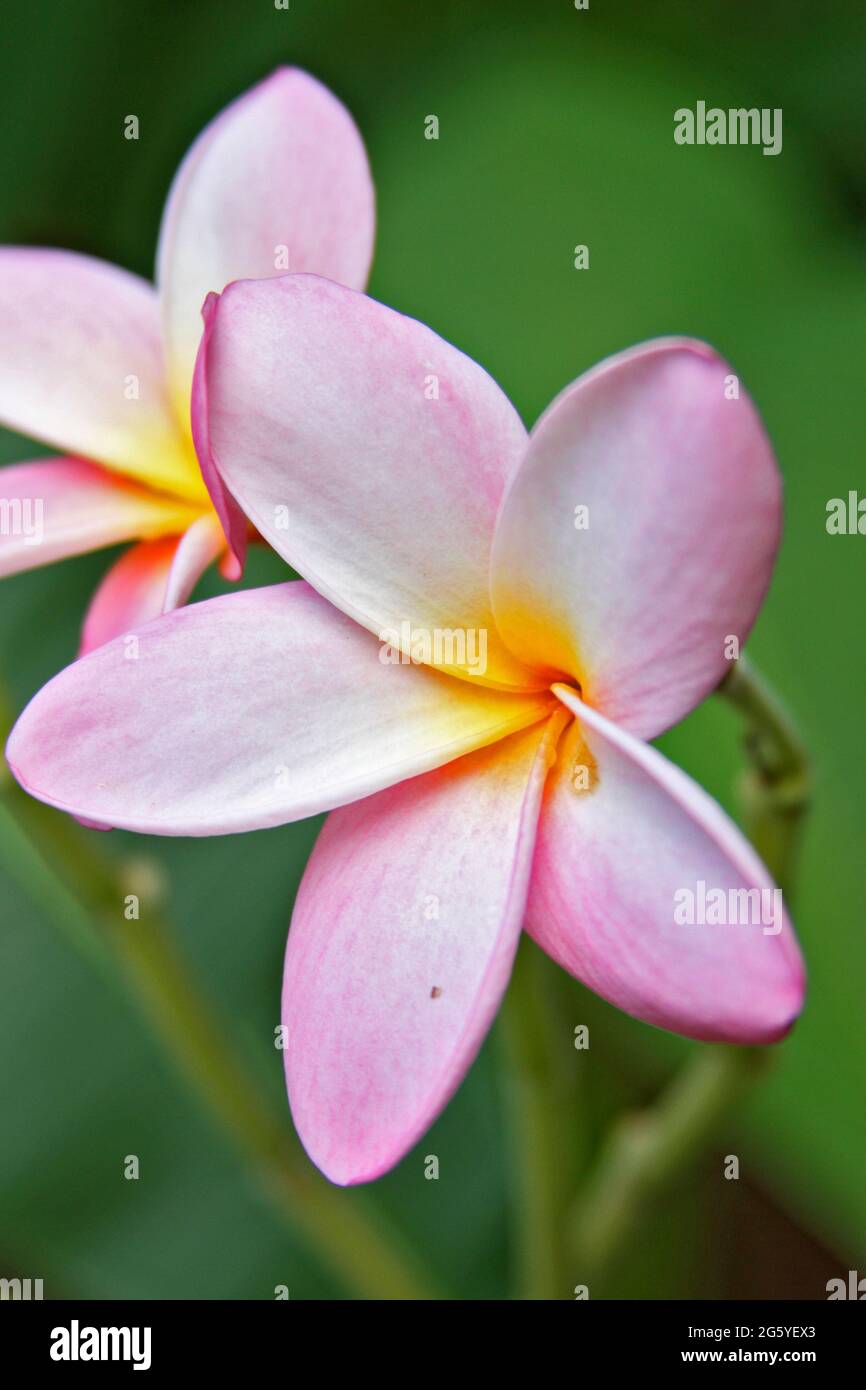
(279, 180)
(131, 593)
(232, 519)
(611, 860)
(81, 366)
(369, 453)
(683, 499)
(152, 578)
(401, 945)
(51, 508)
(197, 549)
(248, 710)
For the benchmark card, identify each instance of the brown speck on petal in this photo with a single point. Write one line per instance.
(435, 992)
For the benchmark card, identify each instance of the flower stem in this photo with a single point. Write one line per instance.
(776, 787)
(543, 1080)
(646, 1152)
(56, 864)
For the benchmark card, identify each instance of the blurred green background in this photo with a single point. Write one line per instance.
(555, 129)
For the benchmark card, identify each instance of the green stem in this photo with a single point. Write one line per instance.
(776, 787)
(81, 892)
(645, 1153)
(543, 1081)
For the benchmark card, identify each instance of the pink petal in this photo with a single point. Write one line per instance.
(152, 578)
(684, 516)
(609, 862)
(281, 167)
(401, 945)
(56, 507)
(197, 549)
(384, 499)
(232, 519)
(81, 366)
(249, 710)
(131, 593)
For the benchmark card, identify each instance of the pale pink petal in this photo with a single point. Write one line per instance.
(683, 499)
(244, 711)
(278, 181)
(51, 508)
(131, 593)
(81, 366)
(152, 578)
(611, 860)
(197, 549)
(400, 948)
(232, 519)
(369, 453)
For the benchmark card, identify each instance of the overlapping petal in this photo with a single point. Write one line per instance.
(149, 579)
(622, 833)
(370, 454)
(400, 948)
(241, 712)
(668, 455)
(54, 507)
(81, 366)
(201, 544)
(232, 519)
(130, 594)
(278, 181)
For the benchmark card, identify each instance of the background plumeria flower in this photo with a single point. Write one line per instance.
(472, 804)
(95, 361)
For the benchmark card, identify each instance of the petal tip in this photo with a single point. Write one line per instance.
(12, 765)
(209, 306)
(792, 1010)
(343, 1172)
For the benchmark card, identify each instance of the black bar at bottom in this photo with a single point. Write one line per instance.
(66, 1338)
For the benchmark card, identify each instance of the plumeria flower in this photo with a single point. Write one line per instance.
(98, 363)
(473, 801)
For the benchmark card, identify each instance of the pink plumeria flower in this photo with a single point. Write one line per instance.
(473, 801)
(99, 363)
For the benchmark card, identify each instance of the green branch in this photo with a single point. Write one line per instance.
(543, 1083)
